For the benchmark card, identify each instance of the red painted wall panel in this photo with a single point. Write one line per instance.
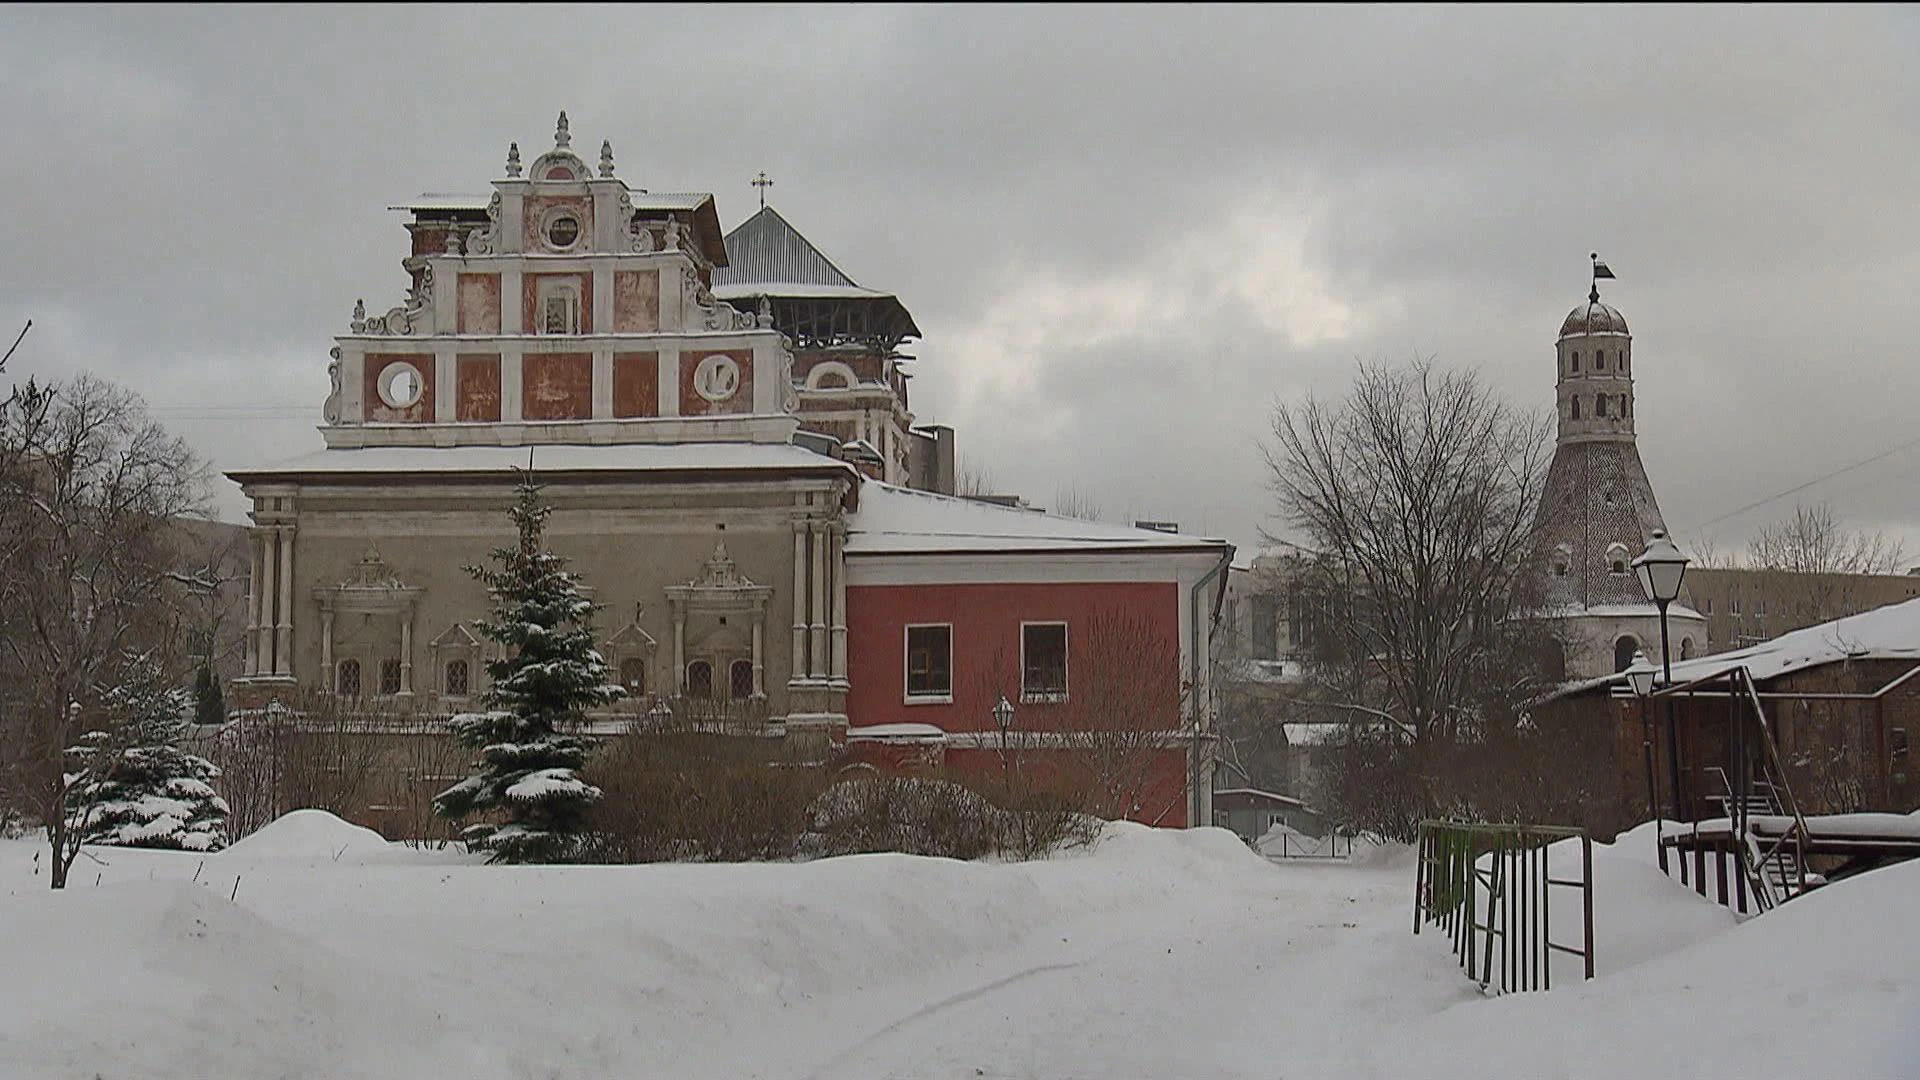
(986, 645)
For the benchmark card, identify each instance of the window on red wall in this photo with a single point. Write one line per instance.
(930, 663)
(1043, 661)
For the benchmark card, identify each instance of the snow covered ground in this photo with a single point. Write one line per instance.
(1157, 955)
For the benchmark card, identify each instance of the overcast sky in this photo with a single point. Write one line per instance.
(1125, 233)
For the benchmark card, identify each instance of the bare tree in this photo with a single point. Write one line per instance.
(1419, 490)
(89, 486)
(1072, 502)
(972, 482)
(1812, 541)
(1126, 714)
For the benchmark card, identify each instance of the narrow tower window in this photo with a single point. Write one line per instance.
(1600, 360)
(1575, 404)
(1599, 405)
(1574, 365)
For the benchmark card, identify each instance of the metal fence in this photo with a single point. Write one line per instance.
(1490, 888)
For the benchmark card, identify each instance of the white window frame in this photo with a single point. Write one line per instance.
(906, 666)
(549, 291)
(1033, 697)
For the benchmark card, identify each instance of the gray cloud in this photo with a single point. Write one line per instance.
(1126, 232)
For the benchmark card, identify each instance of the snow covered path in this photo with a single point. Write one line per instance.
(1159, 955)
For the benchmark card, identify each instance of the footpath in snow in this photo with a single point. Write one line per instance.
(1156, 955)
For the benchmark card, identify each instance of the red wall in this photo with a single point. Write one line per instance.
(986, 635)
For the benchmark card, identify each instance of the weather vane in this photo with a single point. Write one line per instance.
(763, 184)
(1600, 270)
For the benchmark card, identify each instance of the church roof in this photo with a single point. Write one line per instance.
(766, 249)
(814, 301)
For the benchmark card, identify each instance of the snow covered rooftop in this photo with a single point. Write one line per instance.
(1886, 633)
(894, 520)
(629, 457)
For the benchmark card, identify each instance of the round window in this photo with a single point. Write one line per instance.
(563, 230)
(401, 385)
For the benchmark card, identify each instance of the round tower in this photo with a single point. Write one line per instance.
(1595, 380)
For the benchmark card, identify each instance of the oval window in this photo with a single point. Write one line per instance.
(401, 385)
(563, 230)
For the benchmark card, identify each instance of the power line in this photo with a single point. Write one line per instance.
(1862, 463)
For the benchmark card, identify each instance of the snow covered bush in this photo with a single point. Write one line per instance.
(133, 785)
(550, 676)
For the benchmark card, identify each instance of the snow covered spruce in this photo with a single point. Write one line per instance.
(131, 784)
(550, 675)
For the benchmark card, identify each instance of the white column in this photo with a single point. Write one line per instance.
(326, 682)
(406, 650)
(797, 666)
(669, 382)
(446, 386)
(251, 666)
(283, 630)
(837, 560)
(759, 646)
(817, 609)
(510, 360)
(269, 551)
(679, 649)
(602, 382)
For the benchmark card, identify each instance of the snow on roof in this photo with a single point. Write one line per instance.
(642, 200)
(1885, 633)
(895, 520)
(896, 733)
(1256, 793)
(626, 457)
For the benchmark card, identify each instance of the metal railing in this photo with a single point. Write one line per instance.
(1490, 889)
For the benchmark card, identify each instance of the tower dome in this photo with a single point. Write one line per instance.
(1593, 317)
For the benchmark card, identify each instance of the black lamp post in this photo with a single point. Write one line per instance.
(1003, 719)
(1660, 569)
(1640, 675)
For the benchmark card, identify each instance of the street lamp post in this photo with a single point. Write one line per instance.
(661, 714)
(1660, 569)
(1640, 678)
(1003, 719)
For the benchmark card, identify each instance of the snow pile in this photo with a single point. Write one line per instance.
(1152, 954)
(311, 834)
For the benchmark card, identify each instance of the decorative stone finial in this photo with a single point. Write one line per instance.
(513, 159)
(606, 157)
(453, 241)
(562, 138)
(359, 324)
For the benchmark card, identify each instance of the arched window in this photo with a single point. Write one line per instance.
(700, 679)
(389, 677)
(1617, 558)
(740, 679)
(1626, 407)
(455, 682)
(1600, 360)
(1686, 648)
(1599, 405)
(1626, 364)
(1573, 365)
(1623, 651)
(1575, 406)
(633, 675)
(346, 678)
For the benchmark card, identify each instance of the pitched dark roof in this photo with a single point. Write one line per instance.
(812, 300)
(765, 249)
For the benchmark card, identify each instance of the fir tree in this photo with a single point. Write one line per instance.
(550, 676)
(209, 704)
(134, 786)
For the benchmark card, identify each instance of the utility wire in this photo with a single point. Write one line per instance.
(1862, 463)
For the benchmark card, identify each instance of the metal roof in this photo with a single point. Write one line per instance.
(766, 249)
